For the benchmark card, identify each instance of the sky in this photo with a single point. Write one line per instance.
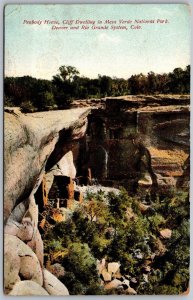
(39, 51)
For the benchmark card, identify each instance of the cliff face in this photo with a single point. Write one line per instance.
(167, 140)
(141, 142)
(131, 140)
(34, 144)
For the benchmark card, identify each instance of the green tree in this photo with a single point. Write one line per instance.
(152, 82)
(82, 263)
(66, 73)
(63, 85)
(105, 85)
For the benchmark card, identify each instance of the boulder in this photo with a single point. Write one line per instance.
(143, 207)
(33, 209)
(20, 262)
(28, 288)
(131, 291)
(117, 275)
(36, 244)
(113, 284)
(145, 181)
(165, 181)
(57, 270)
(133, 280)
(166, 233)
(53, 286)
(19, 212)
(126, 281)
(26, 230)
(12, 228)
(106, 276)
(113, 267)
(30, 269)
(101, 265)
(11, 269)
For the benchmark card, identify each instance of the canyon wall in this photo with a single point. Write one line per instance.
(141, 141)
(34, 144)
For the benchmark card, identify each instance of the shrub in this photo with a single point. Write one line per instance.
(27, 107)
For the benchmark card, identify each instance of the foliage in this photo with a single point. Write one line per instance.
(82, 264)
(101, 228)
(27, 107)
(68, 85)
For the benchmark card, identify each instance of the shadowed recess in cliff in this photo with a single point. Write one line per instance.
(183, 181)
(143, 164)
(63, 145)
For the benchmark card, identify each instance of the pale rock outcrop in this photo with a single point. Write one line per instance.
(106, 276)
(131, 291)
(28, 288)
(33, 144)
(30, 269)
(56, 269)
(26, 230)
(113, 267)
(117, 275)
(11, 269)
(166, 233)
(145, 180)
(101, 265)
(53, 286)
(22, 266)
(114, 284)
(20, 262)
(126, 282)
(36, 244)
(143, 207)
(64, 167)
(29, 141)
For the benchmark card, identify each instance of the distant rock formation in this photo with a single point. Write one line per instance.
(146, 140)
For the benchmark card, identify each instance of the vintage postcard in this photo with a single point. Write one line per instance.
(96, 149)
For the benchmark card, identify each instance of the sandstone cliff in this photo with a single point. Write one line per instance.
(141, 141)
(31, 142)
(34, 143)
